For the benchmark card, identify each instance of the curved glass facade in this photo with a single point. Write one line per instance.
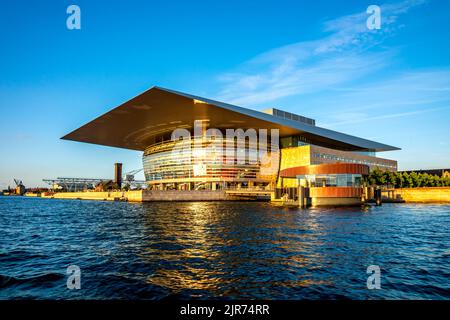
(205, 160)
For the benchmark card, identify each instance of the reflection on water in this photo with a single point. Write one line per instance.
(221, 250)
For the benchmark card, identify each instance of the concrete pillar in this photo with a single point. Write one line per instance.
(378, 197)
(302, 199)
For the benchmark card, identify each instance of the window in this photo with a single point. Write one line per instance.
(331, 180)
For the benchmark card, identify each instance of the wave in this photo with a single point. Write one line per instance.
(43, 279)
(18, 255)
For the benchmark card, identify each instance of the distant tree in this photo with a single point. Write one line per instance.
(399, 180)
(407, 180)
(436, 181)
(445, 181)
(370, 180)
(376, 177)
(430, 180)
(390, 178)
(414, 179)
(424, 179)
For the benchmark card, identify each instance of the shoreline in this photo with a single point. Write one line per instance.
(426, 195)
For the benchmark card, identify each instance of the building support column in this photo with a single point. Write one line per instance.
(302, 197)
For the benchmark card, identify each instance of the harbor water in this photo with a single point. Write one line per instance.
(221, 250)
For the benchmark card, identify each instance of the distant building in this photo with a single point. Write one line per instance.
(20, 189)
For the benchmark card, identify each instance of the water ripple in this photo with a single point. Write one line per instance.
(219, 250)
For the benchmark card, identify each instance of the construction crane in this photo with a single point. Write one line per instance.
(129, 176)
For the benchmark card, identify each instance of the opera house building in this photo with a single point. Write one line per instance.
(192, 144)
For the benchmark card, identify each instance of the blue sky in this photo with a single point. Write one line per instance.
(315, 58)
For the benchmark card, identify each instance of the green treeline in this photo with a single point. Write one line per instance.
(406, 180)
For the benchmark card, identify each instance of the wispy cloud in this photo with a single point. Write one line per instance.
(352, 118)
(341, 56)
(405, 94)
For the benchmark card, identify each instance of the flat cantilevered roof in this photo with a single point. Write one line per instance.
(139, 122)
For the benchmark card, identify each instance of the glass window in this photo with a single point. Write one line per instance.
(332, 180)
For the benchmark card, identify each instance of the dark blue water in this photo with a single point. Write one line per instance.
(239, 250)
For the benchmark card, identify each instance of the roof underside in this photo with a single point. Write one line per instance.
(139, 122)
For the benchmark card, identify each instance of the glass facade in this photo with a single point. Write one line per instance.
(366, 153)
(294, 141)
(206, 160)
(319, 158)
(331, 180)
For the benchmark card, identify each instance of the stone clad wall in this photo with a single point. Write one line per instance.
(184, 195)
(147, 195)
(93, 195)
(433, 194)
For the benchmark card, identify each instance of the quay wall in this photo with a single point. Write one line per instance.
(147, 195)
(186, 195)
(432, 194)
(424, 195)
(93, 195)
